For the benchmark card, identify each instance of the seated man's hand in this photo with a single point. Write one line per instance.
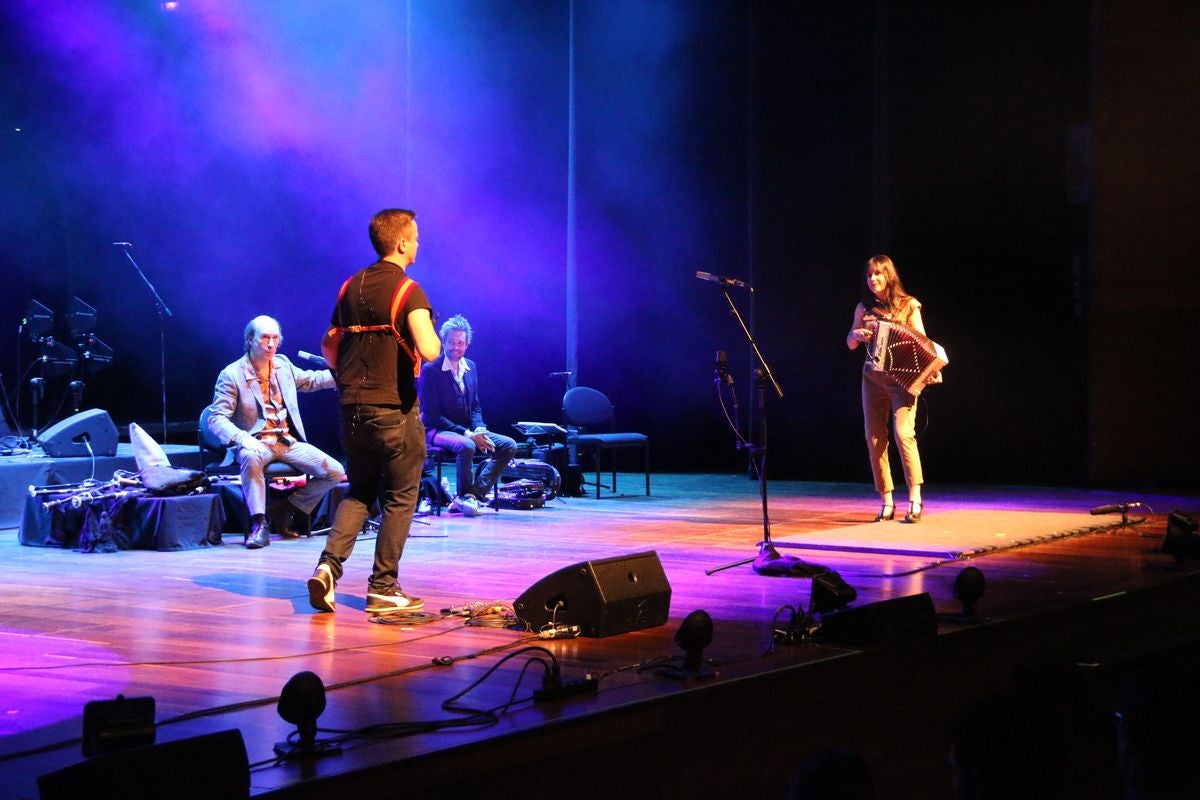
(252, 445)
(483, 442)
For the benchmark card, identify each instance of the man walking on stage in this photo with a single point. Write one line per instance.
(380, 332)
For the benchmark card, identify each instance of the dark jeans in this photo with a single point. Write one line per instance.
(385, 449)
(464, 454)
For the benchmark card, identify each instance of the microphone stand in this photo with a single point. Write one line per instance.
(163, 312)
(758, 450)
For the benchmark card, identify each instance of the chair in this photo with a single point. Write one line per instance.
(439, 457)
(584, 411)
(217, 460)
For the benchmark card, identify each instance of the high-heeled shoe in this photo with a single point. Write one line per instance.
(914, 512)
(888, 512)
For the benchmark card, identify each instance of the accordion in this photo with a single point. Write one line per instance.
(905, 356)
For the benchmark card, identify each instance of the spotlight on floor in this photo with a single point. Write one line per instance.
(301, 702)
(1181, 539)
(695, 633)
(968, 588)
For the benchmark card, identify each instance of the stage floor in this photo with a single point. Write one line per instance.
(213, 634)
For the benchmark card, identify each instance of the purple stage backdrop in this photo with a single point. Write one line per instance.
(573, 165)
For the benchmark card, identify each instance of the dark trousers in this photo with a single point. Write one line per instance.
(385, 449)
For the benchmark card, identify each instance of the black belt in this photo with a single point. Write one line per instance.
(279, 437)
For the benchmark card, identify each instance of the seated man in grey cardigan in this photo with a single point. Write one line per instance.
(255, 412)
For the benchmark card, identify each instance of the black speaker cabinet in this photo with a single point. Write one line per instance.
(603, 597)
(66, 438)
(212, 766)
(886, 622)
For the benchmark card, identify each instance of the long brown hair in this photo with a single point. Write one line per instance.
(896, 297)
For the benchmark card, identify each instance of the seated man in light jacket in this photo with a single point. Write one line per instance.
(255, 412)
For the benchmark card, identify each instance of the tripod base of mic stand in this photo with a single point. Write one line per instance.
(771, 562)
(295, 751)
(699, 673)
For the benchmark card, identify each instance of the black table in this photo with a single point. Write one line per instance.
(140, 522)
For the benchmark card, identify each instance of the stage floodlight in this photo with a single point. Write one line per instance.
(694, 634)
(968, 588)
(301, 702)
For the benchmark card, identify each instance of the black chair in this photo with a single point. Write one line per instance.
(218, 461)
(587, 413)
(438, 457)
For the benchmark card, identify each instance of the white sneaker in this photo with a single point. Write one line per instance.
(424, 507)
(391, 601)
(467, 504)
(321, 589)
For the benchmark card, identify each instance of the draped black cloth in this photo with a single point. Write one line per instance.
(131, 522)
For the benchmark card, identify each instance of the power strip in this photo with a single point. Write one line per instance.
(586, 685)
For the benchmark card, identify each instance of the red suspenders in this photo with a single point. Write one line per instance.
(403, 289)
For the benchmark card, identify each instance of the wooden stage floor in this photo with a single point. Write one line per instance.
(213, 635)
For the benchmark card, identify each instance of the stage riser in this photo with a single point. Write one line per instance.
(741, 738)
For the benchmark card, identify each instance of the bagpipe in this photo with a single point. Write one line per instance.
(76, 495)
(157, 481)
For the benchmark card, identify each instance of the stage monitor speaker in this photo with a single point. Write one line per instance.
(887, 622)
(603, 597)
(71, 437)
(214, 765)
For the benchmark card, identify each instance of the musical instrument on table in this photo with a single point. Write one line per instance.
(905, 355)
(79, 500)
(78, 494)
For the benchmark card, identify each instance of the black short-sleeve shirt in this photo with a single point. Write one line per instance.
(372, 368)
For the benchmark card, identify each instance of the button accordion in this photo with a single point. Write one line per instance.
(905, 355)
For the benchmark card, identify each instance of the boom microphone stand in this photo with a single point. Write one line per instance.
(768, 561)
(163, 312)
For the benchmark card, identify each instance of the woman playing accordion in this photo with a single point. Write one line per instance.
(891, 383)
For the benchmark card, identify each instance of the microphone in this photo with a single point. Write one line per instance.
(318, 360)
(1114, 508)
(122, 244)
(721, 279)
(561, 374)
